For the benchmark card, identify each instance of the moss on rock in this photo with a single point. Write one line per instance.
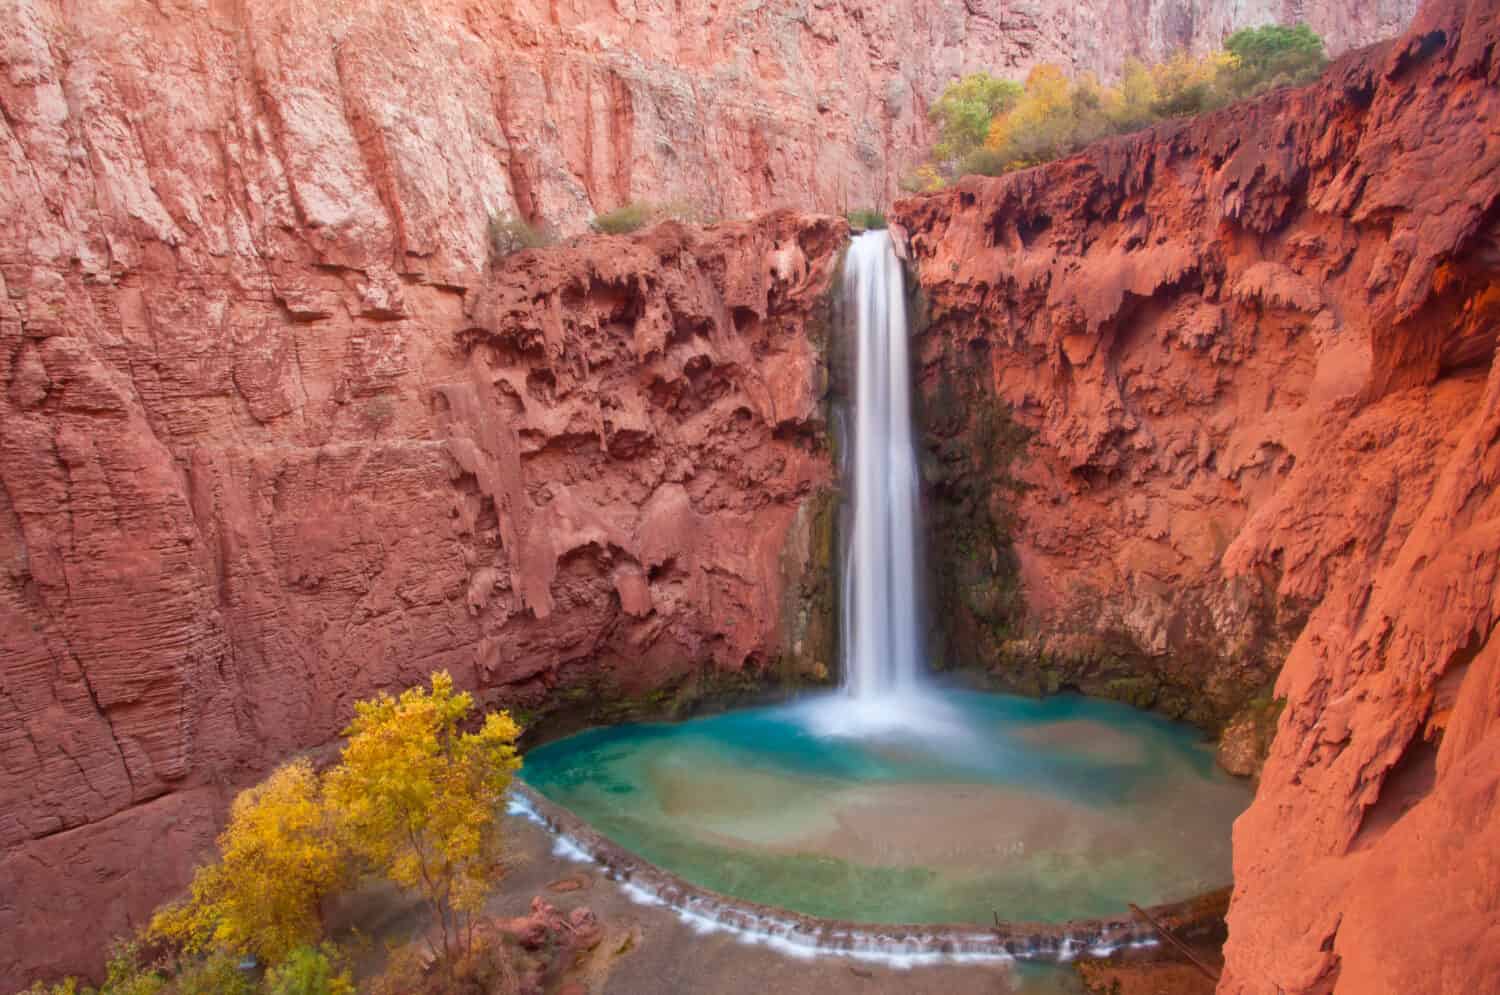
(1246, 739)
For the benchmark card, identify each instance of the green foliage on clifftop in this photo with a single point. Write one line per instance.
(989, 126)
(508, 234)
(640, 214)
(1271, 56)
(964, 112)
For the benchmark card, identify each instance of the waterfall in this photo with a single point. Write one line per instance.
(882, 640)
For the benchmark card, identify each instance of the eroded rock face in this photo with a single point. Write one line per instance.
(272, 439)
(394, 130)
(1251, 359)
(734, 106)
(241, 492)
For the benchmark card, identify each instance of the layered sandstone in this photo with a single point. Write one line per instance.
(274, 436)
(1244, 368)
(396, 129)
(242, 491)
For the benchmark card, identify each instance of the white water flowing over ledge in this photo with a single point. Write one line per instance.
(882, 643)
(884, 691)
(807, 937)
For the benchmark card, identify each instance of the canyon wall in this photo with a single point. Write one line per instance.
(250, 472)
(821, 104)
(405, 126)
(275, 435)
(1223, 393)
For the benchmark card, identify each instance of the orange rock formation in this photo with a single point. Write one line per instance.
(1256, 350)
(273, 435)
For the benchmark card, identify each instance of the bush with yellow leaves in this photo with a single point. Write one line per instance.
(1052, 115)
(418, 798)
(277, 861)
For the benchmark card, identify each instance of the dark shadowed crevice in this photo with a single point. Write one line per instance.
(1405, 784)
(1413, 775)
(1418, 50)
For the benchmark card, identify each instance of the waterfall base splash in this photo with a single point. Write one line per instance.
(916, 715)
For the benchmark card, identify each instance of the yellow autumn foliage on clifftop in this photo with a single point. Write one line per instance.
(1053, 115)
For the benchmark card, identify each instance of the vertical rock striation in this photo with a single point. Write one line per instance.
(1249, 359)
(240, 489)
(274, 436)
(398, 128)
(735, 106)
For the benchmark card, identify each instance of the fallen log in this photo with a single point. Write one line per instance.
(1181, 947)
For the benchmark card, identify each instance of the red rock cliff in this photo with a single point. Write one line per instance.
(243, 489)
(1255, 355)
(391, 127)
(271, 439)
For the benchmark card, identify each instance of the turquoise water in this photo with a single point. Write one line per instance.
(1037, 810)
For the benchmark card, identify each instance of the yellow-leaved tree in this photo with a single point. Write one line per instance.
(277, 860)
(1053, 116)
(1041, 124)
(420, 799)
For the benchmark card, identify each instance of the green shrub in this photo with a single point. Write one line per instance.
(984, 162)
(217, 974)
(624, 220)
(126, 972)
(964, 112)
(1272, 56)
(987, 128)
(509, 233)
(309, 971)
(640, 214)
(866, 218)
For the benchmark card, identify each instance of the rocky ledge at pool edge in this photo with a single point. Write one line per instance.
(886, 942)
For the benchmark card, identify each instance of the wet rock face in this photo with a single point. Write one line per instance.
(1252, 356)
(241, 492)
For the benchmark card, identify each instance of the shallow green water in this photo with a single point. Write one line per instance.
(1045, 810)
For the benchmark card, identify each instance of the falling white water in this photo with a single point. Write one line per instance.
(883, 691)
(880, 602)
